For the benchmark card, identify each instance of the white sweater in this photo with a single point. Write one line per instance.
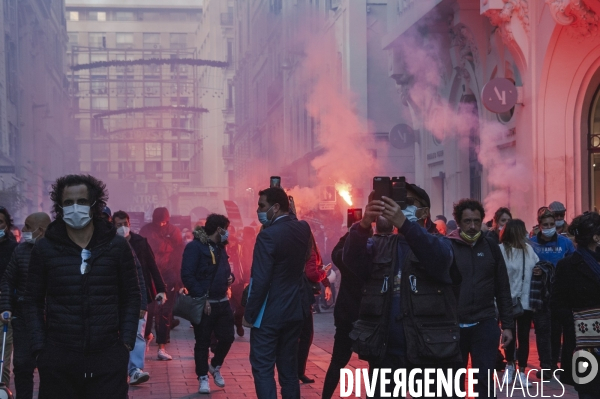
(519, 287)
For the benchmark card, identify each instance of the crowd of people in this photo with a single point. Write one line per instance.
(83, 295)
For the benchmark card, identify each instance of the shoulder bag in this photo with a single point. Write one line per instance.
(191, 308)
(587, 328)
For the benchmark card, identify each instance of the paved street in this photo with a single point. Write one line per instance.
(176, 379)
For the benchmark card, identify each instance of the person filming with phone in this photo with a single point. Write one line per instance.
(418, 261)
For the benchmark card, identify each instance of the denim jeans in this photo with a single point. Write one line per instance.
(481, 342)
(137, 355)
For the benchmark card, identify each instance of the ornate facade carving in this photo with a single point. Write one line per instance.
(466, 49)
(575, 14)
(502, 18)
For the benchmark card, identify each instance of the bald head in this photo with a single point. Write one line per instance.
(37, 221)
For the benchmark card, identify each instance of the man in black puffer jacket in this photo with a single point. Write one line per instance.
(12, 289)
(82, 298)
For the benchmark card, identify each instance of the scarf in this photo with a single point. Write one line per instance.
(591, 259)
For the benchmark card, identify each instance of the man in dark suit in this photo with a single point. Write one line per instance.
(274, 308)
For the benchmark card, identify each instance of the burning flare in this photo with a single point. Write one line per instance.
(343, 190)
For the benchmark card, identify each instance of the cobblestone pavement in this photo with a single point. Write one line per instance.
(177, 379)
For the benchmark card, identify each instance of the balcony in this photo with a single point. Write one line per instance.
(227, 152)
(226, 19)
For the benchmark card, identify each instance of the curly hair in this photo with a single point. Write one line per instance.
(464, 204)
(214, 221)
(97, 193)
(8, 218)
(584, 228)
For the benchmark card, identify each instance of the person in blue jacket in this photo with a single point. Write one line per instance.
(553, 247)
(205, 269)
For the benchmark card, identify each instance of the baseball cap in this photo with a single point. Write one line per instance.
(107, 211)
(422, 194)
(544, 212)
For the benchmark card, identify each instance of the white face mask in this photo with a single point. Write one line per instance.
(123, 231)
(549, 233)
(560, 223)
(27, 236)
(77, 216)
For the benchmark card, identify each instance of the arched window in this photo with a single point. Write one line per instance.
(594, 152)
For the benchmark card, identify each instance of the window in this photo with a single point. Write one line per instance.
(125, 168)
(151, 40)
(178, 40)
(97, 40)
(230, 52)
(73, 39)
(73, 16)
(98, 84)
(97, 16)
(99, 166)
(180, 150)
(152, 102)
(181, 169)
(124, 102)
(151, 88)
(125, 40)
(100, 151)
(153, 150)
(151, 16)
(124, 16)
(151, 168)
(99, 103)
(178, 16)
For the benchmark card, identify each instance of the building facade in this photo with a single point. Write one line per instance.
(35, 131)
(544, 149)
(313, 102)
(137, 95)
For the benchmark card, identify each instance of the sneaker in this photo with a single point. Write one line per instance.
(138, 377)
(163, 355)
(204, 385)
(509, 374)
(216, 373)
(523, 380)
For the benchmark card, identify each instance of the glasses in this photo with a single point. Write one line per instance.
(85, 255)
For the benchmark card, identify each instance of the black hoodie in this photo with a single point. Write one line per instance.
(82, 313)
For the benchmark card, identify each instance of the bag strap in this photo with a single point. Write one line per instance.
(523, 278)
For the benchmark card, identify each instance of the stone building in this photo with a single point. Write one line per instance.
(546, 147)
(140, 122)
(35, 132)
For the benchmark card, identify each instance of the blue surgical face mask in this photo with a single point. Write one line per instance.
(263, 218)
(2, 233)
(411, 213)
(224, 237)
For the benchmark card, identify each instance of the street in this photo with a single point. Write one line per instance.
(176, 379)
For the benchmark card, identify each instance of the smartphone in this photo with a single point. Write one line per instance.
(399, 193)
(354, 215)
(275, 181)
(382, 187)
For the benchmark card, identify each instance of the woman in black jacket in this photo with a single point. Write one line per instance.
(205, 269)
(577, 287)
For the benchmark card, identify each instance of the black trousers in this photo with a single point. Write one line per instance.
(220, 322)
(162, 314)
(541, 321)
(271, 345)
(236, 304)
(23, 360)
(481, 342)
(340, 356)
(304, 343)
(71, 375)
